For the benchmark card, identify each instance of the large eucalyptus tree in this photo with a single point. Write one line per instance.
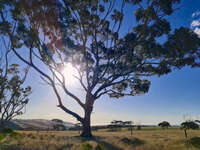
(88, 34)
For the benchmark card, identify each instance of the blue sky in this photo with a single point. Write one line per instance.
(170, 97)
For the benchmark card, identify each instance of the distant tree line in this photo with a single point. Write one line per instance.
(186, 125)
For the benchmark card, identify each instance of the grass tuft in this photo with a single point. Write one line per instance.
(2, 136)
(132, 142)
(86, 146)
(195, 141)
(99, 147)
(7, 130)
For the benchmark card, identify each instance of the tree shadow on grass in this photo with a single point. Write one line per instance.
(99, 140)
(195, 141)
(107, 146)
(132, 142)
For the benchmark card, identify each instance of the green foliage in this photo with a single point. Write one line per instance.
(132, 142)
(128, 53)
(195, 141)
(2, 136)
(15, 135)
(66, 146)
(127, 59)
(99, 147)
(7, 130)
(190, 125)
(164, 124)
(86, 146)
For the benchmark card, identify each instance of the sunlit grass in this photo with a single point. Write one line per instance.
(145, 139)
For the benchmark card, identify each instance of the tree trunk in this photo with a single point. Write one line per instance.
(185, 133)
(131, 130)
(86, 128)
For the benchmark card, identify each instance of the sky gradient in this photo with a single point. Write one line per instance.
(170, 97)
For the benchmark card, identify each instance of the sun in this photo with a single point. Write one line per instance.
(70, 73)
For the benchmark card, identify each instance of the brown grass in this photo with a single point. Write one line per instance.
(145, 139)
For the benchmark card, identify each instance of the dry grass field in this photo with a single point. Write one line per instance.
(149, 138)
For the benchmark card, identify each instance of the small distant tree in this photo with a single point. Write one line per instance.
(164, 124)
(117, 122)
(129, 124)
(139, 127)
(189, 125)
(59, 127)
(116, 125)
(58, 124)
(13, 96)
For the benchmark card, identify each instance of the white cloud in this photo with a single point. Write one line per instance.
(197, 31)
(195, 23)
(196, 14)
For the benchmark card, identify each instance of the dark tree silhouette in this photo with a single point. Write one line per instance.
(189, 125)
(164, 124)
(88, 35)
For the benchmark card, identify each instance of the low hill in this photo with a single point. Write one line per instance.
(35, 124)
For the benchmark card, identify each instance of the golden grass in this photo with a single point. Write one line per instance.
(146, 139)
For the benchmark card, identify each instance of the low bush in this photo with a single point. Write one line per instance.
(86, 146)
(99, 147)
(7, 130)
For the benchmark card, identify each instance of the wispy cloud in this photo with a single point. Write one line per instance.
(195, 23)
(196, 14)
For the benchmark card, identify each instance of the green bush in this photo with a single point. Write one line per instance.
(7, 130)
(14, 134)
(86, 146)
(99, 147)
(2, 136)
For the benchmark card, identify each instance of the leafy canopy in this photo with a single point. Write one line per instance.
(164, 124)
(190, 125)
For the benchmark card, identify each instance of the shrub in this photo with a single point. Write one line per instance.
(2, 136)
(14, 134)
(66, 146)
(99, 147)
(86, 146)
(133, 142)
(7, 130)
